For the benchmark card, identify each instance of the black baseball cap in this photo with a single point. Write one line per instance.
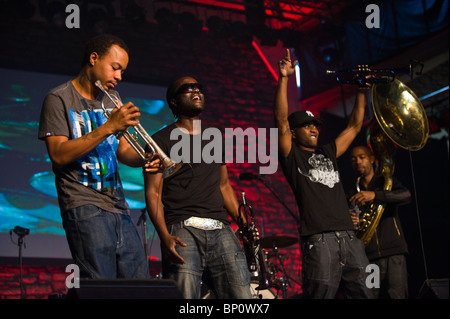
(300, 118)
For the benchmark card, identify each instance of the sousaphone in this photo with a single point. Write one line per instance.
(399, 118)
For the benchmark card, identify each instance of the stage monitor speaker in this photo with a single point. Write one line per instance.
(434, 289)
(125, 289)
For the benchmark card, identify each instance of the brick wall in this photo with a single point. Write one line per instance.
(40, 279)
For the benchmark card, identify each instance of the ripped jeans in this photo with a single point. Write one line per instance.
(331, 261)
(214, 257)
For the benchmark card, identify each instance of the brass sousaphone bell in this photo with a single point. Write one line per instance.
(400, 114)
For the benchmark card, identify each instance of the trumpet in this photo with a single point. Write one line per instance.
(362, 75)
(252, 248)
(169, 166)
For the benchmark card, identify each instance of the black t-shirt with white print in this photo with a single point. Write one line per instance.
(315, 182)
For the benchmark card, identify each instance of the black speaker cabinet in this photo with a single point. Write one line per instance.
(125, 289)
(434, 289)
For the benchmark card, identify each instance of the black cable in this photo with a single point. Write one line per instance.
(418, 217)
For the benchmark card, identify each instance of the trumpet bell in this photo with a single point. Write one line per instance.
(171, 169)
(400, 114)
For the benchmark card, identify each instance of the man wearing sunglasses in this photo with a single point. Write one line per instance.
(190, 208)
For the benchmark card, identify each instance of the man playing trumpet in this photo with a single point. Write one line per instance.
(85, 152)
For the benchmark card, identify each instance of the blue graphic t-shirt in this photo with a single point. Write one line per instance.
(99, 166)
(94, 178)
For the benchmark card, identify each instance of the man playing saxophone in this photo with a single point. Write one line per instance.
(84, 152)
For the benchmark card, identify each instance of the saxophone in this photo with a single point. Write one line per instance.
(253, 251)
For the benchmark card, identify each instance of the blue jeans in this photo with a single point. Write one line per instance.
(104, 244)
(334, 260)
(212, 256)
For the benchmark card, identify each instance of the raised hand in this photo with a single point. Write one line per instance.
(286, 67)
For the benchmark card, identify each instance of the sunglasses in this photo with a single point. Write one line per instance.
(190, 88)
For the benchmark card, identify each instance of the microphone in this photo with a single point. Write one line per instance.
(248, 176)
(20, 231)
(142, 218)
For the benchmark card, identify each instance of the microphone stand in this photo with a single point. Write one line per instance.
(284, 278)
(143, 220)
(20, 243)
(21, 233)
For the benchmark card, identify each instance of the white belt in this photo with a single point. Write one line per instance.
(203, 223)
